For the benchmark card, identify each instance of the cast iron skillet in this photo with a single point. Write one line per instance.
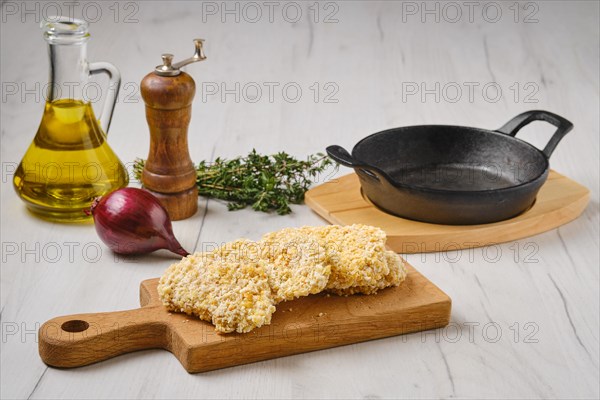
(453, 175)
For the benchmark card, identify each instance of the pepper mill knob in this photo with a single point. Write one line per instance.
(169, 69)
(169, 173)
(167, 59)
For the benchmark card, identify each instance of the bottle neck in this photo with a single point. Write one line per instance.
(69, 72)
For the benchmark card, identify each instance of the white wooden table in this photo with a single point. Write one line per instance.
(525, 325)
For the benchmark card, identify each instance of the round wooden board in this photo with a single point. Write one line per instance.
(341, 202)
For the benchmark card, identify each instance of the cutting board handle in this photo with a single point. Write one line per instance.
(82, 339)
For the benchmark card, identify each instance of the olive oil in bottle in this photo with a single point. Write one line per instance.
(68, 164)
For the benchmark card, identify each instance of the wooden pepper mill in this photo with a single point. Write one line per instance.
(169, 173)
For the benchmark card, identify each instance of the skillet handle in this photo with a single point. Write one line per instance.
(341, 156)
(563, 126)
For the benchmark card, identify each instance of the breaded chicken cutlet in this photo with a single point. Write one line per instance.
(397, 274)
(295, 264)
(356, 254)
(237, 286)
(231, 292)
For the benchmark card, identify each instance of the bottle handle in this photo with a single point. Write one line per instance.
(114, 83)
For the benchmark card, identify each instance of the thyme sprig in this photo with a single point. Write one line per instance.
(264, 182)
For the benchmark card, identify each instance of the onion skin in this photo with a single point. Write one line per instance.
(132, 221)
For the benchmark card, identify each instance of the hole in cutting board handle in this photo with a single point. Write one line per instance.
(75, 325)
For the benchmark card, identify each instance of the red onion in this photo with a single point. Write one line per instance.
(132, 221)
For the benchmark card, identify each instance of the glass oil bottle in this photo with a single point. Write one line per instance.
(69, 162)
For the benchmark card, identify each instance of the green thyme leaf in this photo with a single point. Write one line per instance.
(265, 183)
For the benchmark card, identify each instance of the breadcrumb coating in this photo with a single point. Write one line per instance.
(237, 286)
(355, 253)
(395, 277)
(295, 264)
(233, 294)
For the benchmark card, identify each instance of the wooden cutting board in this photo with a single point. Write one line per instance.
(306, 324)
(340, 201)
